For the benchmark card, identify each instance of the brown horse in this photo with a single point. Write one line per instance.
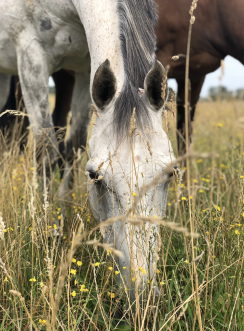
(217, 32)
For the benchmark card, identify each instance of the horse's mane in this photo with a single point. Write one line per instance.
(138, 46)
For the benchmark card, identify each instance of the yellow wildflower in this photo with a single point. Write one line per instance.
(237, 232)
(73, 294)
(134, 194)
(217, 207)
(110, 268)
(142, 270)
(111, 295)
(116, 272)
(97, 264)
(73, 272)
(83, 288)
(33, 280)
(79, 263)
(73, 260)
(42, 322)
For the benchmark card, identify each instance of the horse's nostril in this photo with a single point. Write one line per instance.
(174, 172)
(92, 174)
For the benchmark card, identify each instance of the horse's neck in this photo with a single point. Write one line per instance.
(101, 22)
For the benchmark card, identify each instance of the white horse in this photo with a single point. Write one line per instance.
(110, 44)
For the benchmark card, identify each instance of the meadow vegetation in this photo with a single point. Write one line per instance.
(69, 283)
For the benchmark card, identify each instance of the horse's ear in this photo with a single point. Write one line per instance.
(104, 85)
(153, 86)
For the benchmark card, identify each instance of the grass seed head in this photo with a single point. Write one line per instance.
(100, 167)
(149, 147)
(192, 20)
(15, 293)
(132, 123)
(2, 227)
(95, 111)
(164, 83)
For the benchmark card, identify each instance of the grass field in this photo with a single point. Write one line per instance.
(200, 279)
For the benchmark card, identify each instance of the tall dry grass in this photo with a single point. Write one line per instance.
(70, 284)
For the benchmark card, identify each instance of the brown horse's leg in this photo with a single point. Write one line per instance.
(8, 122)
(64, 84)
(195, 89)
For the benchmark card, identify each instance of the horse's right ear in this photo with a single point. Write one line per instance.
(104, 85)
(153, 86)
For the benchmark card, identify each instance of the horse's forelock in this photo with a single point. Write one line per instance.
(128, 100)
(138, 46)
(138, 41)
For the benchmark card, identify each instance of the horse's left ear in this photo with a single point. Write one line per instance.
(153, 86)
(104, 85)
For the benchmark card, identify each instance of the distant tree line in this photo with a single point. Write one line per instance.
(222, 93)
(52, 89)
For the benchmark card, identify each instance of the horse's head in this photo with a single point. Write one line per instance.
(126, 176)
